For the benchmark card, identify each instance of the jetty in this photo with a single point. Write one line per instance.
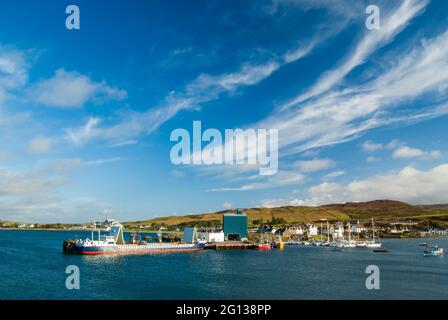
(228, 245)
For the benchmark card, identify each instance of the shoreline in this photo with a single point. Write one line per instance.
(88, 230)
(169, 232)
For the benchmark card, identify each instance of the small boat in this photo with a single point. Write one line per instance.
(263, 246)
(422, 244)
(325, 244)
(381, 250)
(361, 244)
(316, 243)
(373, 243)
(433, 251)
(350, 244)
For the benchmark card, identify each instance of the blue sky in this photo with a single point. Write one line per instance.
(86, 115)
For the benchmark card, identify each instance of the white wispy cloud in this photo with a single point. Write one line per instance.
(72, 90)
(370, 146)
(177, 173)
(32, 192)
(303, 49)
(281, 179)
(40, 144)
(337, 9)
(409, 185)
(409, 152)
(314, 165)
(13, 68)
(344, 114)
(371, 42)
(124, 143)
(282, 202)
(227, 205)
(371, 159)
(98, 162)
(205, 88)
(84, 133)
(334, 174)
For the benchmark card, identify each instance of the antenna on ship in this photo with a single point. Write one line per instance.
(99, 230)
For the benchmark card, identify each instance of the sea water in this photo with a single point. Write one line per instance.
(32, 266)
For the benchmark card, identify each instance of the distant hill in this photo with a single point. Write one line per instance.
(379, 209)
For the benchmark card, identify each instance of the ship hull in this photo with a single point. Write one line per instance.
(136, 249)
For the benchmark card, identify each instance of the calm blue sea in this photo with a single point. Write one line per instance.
(32, 266)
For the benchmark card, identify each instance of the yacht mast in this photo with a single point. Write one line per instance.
(349, 232)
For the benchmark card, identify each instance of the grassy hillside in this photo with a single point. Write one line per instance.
(380, 209)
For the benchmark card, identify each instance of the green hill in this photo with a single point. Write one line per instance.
(381, 210)
(386, 210)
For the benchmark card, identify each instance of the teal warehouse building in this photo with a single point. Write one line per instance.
(235, 225)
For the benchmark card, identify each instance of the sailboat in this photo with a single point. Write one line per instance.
(350, 243)
(327, 242)
(262, 245)
(372, 243)
(318, 243)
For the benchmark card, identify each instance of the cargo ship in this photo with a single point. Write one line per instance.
(114, 243)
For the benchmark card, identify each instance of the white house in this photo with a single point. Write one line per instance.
(296, 230)
(211, 236)
(312, 230)
(337, 231)
(357, 228)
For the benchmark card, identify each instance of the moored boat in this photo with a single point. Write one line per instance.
(350, 244)
(263, 246)
(433, 251)
(373, 243)
(361, 244)
(381, 250)
(114, 243)
(339, 247)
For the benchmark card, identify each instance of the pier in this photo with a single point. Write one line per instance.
(230, 246)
